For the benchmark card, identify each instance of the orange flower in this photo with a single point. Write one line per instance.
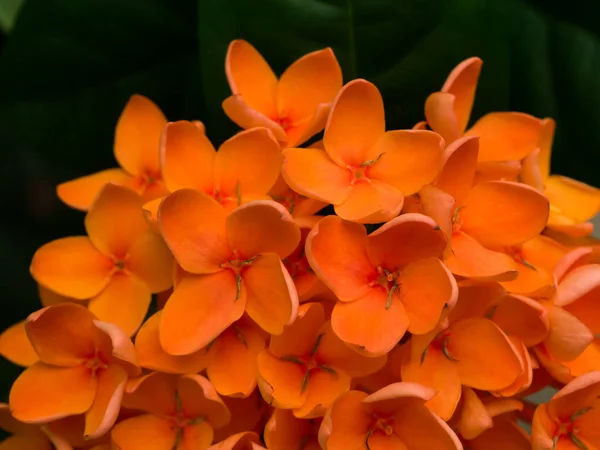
(180, 412)
(308, 366)
(386, 283)
(569, 421)
(240, 441)
(298, 205)
(118, 265)
(285, 431)
(572, 203)
(363, 171)
(480, 217)
(393, 417)
(136, 149)
(235, 265)
(84, 365)
(295, 107)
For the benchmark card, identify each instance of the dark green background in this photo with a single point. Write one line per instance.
(67, 68)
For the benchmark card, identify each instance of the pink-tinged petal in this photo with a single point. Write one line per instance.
(187, 158)
(578, 283)
(193, 226)
(458, 168)
(462, 84)
(506, 136)
(72, 267)
(242, 114)
(311, 172)
(250, 76)
(200, 308)
(356, 122)
(16, 347)
(336, 250)
(441, 116)
(371, 202)
(406, 159)
(122, 351)
(103, 413)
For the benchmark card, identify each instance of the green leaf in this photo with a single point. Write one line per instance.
(9, 9)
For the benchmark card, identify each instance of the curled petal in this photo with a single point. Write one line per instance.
(371, 202)
(146, 431)
(441, 115)
(568, 336)
(107, 403)
(462, 83)
(199, 399)
(247, 117)
(458, 168)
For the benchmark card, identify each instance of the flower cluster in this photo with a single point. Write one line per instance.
(456, 278)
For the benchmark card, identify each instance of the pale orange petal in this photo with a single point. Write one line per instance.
(574, 199)
(15, 345)
(545, 145)
(462, 83)
(107, 403)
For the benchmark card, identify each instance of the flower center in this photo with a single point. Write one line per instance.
(456, 220)
(285, 122)
(441, 342)
(95, 363)
(237, 265)
(310, 363)
(567, 429)
(516, 253)
(358, 173)
(387, 280)
(383, 425)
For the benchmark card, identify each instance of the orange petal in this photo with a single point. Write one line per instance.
(470, 259)
(187, 158)
(26, 442)
(49, 298)
(502, 213)
(435, 371)
(193, 226)
(43, 393)
(115, 220)
(300, 132)
(150, 210)
(272, 300)
(567, 227)
(522, 317)
(81, 192)
(104, 411)
(578, 294)
(458, 168)
(580, 393)
(545, 146)
(498, 171)
(543, 428)
(462, 83)
(262, 226)
(350, 422)
(200, 400)
(530, 173)
(476, 298)
(574, 199)
(240, 441)
(200, 308)
(474, 418)
(284, 431)
(440, 206)
(525, 378)
(403, 240)
(232, 368)
(146, 431)
(427, 288)
(322, 388)
(506, 136)
(370, 323)
(122, 350)
(371, 202)
(15, 346)
(284, 378)
(196, 436)
(568, 336)
(62, 335)
(311, 172)
(355, 124)
(154, 393)
(299, 337)
(441, 115)
(246, 117)
(137, 136)
(248, 163)
(72, 266)
(406, 159)
(124, 302)
(336, 251)
(151, 261)
(250, 76)
(505, 434)
(150, 354)
(246, 414)
(485, 357)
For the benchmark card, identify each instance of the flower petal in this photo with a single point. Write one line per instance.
(522, 317)
(199, 399)
(502, 213)
(115, 220)
(578, 294)
(440, 206)
(146, 431)
(441, 115)
(196, 436)
(426, 288)
(272, 300)
(336, 250)
(506, 136)
(545, 146)
(103, 413)
(370, 323)
(154, 393)
(284, 430)
(568, 336)
(298, 133)
(193, 226)
(577, 394)
(151, 355)
(284, 378)
(407, 159)
(151, 261)
(246, 117)
(16, 347)
(543, 428)
(474, 418)
(322, 389)
(250, 76)
(575, 199)
(239, 441)
(403, 240)
(43, 393)
(313, 79)
(355, 124)
(187, 157)
(63, 334)
(458, 169)
(81, 192)
(232, 368)
(371, 202)
(462, 83)
(124, 302)
(262, 226)
(200, 308)
(350, 422)
(485, 357)
(72, 267)
(311, 172)
(248, 163)
(137, 136)
(470, 259)
(299, 338)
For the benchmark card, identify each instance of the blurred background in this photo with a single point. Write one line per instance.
(67, 68)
